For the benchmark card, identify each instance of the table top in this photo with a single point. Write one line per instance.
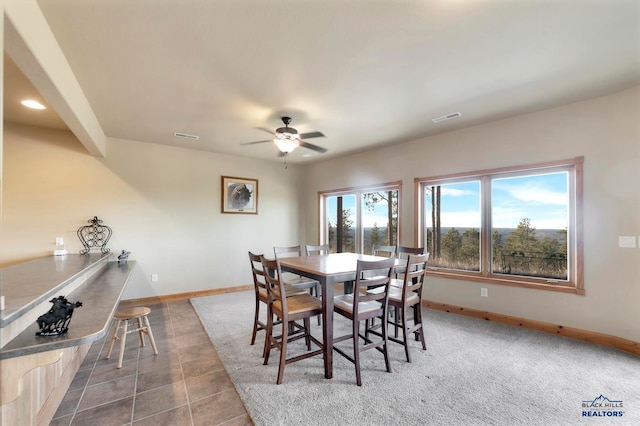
(330, 264)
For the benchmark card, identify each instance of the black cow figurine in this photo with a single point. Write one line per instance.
(56, 321)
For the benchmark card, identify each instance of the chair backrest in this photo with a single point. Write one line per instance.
(374, 289)
(384, 251)
(275, 285)
(259, 279)
(293, 251)
(317, 250)
(414, 275)
(404, 252)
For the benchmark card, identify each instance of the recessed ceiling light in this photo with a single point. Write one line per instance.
(29, 103)
(446, 117)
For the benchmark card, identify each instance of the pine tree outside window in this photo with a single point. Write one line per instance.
(353, 219)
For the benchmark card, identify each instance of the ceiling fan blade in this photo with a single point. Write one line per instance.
(312, 146)
(311, 135)
(253, 143)
(264, 129)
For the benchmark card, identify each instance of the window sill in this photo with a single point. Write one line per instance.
(535, 284)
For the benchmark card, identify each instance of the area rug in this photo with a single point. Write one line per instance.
(473, 372)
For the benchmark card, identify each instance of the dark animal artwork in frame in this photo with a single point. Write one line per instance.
(239, 195)
(56, 321)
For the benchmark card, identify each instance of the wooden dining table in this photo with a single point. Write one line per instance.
(328, 270)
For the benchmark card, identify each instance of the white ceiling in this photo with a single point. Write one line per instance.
(365, 73)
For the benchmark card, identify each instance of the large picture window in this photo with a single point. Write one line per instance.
(515, 226)
(355, 219)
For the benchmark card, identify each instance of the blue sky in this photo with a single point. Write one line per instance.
(541, 198)
(378, 215)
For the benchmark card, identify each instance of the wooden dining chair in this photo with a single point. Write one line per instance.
(312, 250)
(403, 253)
(289, 310)
(406, 299)
(369, 300)
(298, 281)
(260, 288)
(383, 251)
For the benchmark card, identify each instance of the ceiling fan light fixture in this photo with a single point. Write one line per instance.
(286, 145)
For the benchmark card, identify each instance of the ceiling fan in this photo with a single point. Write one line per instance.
(287, 139)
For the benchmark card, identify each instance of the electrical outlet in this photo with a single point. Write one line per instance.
(484, 292)
(154, 278)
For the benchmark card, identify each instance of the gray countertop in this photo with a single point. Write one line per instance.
(28, 284)
(99, 295)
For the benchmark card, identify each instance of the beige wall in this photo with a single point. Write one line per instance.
(162, 203)
(606, 131)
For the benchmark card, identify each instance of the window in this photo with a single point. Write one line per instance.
(516, 226)
(354, 219)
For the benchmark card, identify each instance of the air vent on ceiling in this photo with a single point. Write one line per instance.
(186, 136)
(446, 117)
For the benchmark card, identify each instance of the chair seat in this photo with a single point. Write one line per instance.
(345, 302)
(297, 304)
(395, 295)
(133, 312)
(299, 281)
(396, 283)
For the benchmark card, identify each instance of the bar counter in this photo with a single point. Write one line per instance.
(36, 370)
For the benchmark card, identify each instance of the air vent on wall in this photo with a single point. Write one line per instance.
(186, 136)
(446, 117)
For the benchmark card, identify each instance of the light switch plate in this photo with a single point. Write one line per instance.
(626, 242)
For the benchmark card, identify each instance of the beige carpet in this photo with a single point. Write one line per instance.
(473, 372)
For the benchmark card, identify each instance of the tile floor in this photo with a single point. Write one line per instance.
(185, 384)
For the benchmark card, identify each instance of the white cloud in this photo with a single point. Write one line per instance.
(453, 192)
(470, 219)
(535, 193)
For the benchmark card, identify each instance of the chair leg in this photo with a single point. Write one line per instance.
(417, 319)
(307, 331)
(348, 287)
(405, 337)
(255, 322)
(283, 352)
(150, 334)
(383, 320)
(114, 337)
(319, 295)
(396, 319)
(140, 331)
(268, 340)
(123, 340)
(356, 350)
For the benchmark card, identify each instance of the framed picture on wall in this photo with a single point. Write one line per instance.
(239, 195)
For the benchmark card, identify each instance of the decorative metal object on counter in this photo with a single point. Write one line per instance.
(122, 258)
(94, 235)
(56, 321)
